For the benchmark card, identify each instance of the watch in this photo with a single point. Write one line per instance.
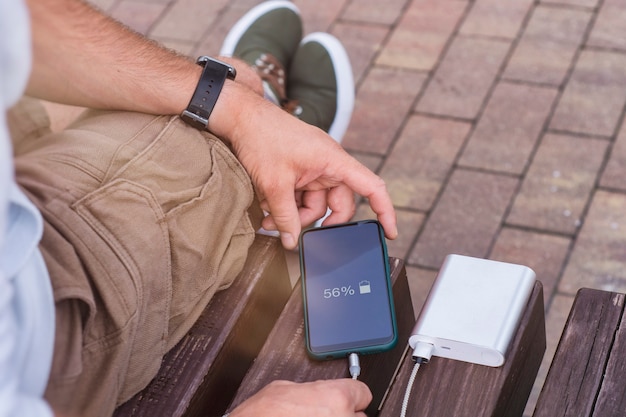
(209, 86)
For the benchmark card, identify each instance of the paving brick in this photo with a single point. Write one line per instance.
(548, 45)
(466, 218)
(463, 79)
(373, 162)
(362, 42)
(421, 35)
(609, 30)
(409, 223)
(599, 259)
(496, 18)
(421, 160)
(420, 282)
(319, 15)
(105, 5)
(615, 171)
(187, 20)
(370, 11)
(582, 3)
(382, 102)
(244, 4)
(212, 40)
(559, 182)
(182, 47)
(139, 16)
(506, 134)
(544, 253)
(594, 97)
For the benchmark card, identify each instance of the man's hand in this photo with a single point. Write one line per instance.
(297, 169)
(331, 398)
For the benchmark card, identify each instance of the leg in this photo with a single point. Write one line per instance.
(146, 218)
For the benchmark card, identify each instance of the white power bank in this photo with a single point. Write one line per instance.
(473, 309)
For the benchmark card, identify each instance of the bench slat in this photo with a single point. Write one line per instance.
(446, 387)
(284, 354)
(612, 397)
(202, 372)
(576, 374)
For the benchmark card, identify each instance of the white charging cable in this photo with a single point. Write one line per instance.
(421, 354)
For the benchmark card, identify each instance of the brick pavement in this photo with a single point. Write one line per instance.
(498, 126)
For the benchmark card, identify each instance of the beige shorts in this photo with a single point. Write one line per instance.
(145, 219)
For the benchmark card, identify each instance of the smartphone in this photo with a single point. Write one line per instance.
(346, 286)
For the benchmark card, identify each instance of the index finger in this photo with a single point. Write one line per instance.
(371, 186)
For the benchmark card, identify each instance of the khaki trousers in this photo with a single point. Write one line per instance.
(145, 219)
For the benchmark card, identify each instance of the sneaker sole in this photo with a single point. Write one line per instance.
(344, 79)
(242, 25)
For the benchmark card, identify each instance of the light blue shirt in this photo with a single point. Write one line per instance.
(26, 301)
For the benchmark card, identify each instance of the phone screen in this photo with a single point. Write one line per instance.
(347, 290)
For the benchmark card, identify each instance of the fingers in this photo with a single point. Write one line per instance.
(372, 187)
(341, 202)
(312, 206)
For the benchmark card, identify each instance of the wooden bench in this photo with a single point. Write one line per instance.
(246, 329)
(587, 375)
(443, 387)
(284, 355)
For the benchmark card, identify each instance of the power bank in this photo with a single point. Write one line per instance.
(473, 309)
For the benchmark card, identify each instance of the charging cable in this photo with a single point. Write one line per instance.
(421, 354)
(353, 365)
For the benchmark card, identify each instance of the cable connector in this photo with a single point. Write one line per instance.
(354, 365)
(423, 352)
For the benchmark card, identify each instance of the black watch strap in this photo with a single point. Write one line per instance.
(210, 85)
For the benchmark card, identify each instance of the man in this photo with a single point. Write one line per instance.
(142, 216)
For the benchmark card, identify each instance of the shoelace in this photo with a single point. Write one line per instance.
(272, 72)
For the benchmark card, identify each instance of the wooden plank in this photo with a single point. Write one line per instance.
(576, 373)
(612, 397)
(284, 355)
(445, 387)
(202, 372)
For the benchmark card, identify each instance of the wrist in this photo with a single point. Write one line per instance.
(225, 120)
(215, 73)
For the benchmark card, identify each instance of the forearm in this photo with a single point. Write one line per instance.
(84, 58)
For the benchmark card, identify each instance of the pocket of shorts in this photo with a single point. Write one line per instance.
(197, 192)
(202, 191)
(130, 224)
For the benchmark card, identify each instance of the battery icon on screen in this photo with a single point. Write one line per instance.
(364, 287)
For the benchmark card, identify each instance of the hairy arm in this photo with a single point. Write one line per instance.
(83, 58)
